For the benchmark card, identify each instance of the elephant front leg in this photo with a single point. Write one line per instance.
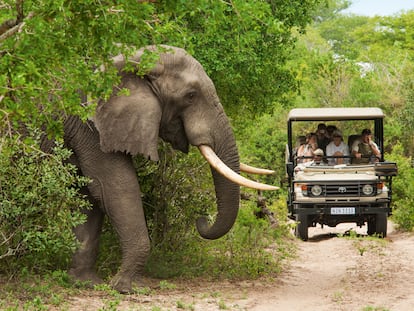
(115, 186)
(124, 208)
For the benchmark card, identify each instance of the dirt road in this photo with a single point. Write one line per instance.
(334, 273)
(330, 273)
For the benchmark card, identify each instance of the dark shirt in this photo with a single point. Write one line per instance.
(323, 142)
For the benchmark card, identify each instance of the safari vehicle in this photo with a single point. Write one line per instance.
(342, 193)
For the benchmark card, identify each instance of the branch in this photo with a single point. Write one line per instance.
(10, 251)
(7, 25)
(15, 28)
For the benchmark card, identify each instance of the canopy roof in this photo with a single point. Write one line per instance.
(332, 114)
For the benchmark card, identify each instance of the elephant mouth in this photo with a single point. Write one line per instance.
(175, 135)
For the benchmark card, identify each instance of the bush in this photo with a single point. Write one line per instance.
(403, 188)
(178, 190)
(39, 206)
(251, 249)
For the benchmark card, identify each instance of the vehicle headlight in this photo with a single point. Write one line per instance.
(316, 190)
(367, 189)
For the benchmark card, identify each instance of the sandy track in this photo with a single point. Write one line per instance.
(330, 273)
(334, 273)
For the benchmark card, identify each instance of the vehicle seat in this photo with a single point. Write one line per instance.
(351, 140)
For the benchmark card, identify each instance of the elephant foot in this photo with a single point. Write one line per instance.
(122, 284)
(140, 282)
(87, 277)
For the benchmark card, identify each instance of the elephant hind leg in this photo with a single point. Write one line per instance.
(83, 261)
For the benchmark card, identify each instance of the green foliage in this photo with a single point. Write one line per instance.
(56, 50)
(329, 9)
(357, 61)
(34, 292)
(39, 203)
(252, 249)
(51, 49)
(369, 62)
(242, 44)
(176, 191)
(264, 146)
(403, 188)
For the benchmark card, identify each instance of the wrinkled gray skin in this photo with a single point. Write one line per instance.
(176, 101)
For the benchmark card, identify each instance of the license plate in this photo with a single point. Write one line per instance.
(343, 211)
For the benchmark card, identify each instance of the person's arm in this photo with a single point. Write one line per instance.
(329, 151)
(355, 149)
(374, 148)
(345, 149)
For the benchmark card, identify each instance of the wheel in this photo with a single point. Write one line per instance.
(378, 225)
(381, 225)
(371, 225)
(301, 229)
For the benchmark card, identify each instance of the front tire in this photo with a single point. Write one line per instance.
(378, 225)
(301, 229)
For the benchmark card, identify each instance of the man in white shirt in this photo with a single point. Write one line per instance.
(337, 148)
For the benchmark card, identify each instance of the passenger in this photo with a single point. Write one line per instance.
(301, 140)
(365, 149)
(337, 148)
(317, 160)
(330, 129)
(322, 137)
(306, 150)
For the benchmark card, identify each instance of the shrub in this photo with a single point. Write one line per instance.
(251, 249)
(403, 188)
(176, 191)
(39, 206)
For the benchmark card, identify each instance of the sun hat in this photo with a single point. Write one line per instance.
(318, 152)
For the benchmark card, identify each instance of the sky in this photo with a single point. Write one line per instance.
(379, 7)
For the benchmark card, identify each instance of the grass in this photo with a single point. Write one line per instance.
(364, 244)
(55, 291)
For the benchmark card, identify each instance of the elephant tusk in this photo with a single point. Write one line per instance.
(227, 172)
(254, 170)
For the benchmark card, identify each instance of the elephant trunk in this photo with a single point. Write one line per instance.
(227, 192)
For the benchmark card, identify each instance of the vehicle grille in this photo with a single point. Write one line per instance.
(340, 190)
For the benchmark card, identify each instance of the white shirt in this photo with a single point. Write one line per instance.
(331, 149)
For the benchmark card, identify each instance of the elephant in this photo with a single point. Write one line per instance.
(177, 102)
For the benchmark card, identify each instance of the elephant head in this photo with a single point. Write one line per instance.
(176, 101)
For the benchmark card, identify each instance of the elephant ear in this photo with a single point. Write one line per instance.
(130, 122)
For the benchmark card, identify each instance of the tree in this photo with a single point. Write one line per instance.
(350, 60)
(52, 49)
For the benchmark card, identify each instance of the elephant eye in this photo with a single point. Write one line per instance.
(191, 95)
